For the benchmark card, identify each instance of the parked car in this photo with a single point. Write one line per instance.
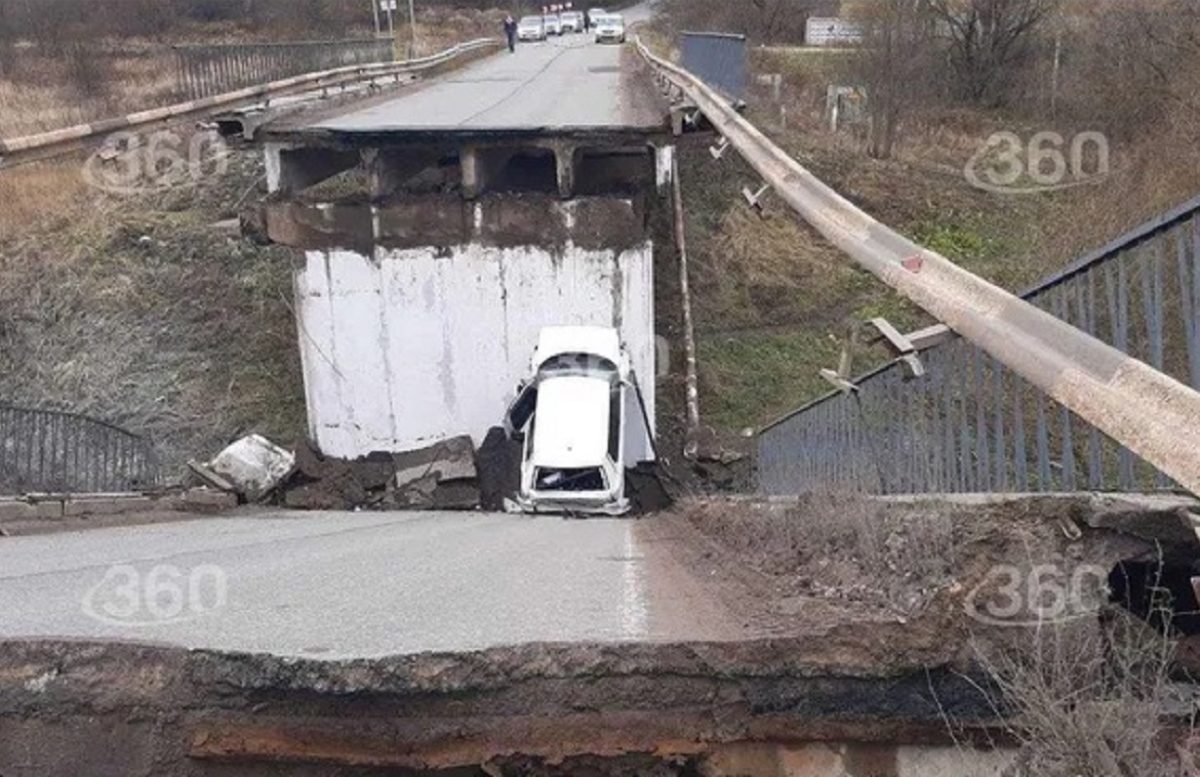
(571, 415)
(594, 15)
(531, 28)
(610, 29)
(553, 24)
(572, 21)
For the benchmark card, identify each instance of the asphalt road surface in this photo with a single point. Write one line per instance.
(338, 585)
(564, 83)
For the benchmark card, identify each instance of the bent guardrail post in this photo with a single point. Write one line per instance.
(1152, 414)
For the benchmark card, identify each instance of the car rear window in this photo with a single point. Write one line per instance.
(570, 480)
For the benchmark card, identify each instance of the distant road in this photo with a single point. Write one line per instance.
(566, 82)
(341, 585)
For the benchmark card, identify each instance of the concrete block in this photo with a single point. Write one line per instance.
(75, 507)
(206, 500)
(13, 510)
(253, 465)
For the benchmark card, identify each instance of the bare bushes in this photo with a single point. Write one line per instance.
(1089, 701)
(765, 21)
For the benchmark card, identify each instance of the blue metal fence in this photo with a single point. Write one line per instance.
(718, 59)
(972, 425)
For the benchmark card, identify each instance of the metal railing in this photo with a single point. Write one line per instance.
(47, 451)
(205, 70)
(970, 424)
(45, 145)
(1151, 413)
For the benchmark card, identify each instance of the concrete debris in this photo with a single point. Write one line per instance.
(207, 500)
(646, 490)
(453, 459)
(442, 476)
(254, 466)
(499, 462)
(210, 478)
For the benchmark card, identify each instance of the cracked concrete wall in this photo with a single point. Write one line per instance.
(414, 345)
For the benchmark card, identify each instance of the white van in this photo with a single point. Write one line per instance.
(571, 415)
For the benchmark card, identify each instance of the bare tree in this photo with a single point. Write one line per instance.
(893, 64)
(776, 21)
(987, 39)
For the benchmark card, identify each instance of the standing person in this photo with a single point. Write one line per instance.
(510, 31)
(587, 21)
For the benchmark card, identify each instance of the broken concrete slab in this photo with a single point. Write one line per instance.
(374, 472)
(253, 465)
(76, 506)
(456, 495)
(452, 459)
(206, 500)
(210, 478)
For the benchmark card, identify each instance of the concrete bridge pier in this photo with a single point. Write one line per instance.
(431, 265)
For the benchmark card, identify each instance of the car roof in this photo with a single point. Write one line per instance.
(571, 425)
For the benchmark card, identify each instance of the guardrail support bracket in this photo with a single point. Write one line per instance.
(755, 198)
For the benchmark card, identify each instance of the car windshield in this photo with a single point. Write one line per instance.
(531, 20)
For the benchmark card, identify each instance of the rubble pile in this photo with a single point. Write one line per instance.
(442, 476)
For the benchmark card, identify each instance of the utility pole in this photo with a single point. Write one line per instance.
(391, 7)
(412, 24)
(375, 8)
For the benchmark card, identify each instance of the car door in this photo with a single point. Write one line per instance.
(521, 410)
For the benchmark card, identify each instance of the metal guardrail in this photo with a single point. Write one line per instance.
(972, 425)
(204, 70)
(32, 148)
(1154, 415)
(45, 451)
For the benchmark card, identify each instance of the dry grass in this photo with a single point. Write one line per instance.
(134, 310)
(45, 94)
(36, 194)
(1091, 699)
(840, 547)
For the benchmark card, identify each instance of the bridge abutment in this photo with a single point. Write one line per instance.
(430, 268)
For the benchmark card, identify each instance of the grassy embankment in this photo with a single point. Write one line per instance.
(775, 302)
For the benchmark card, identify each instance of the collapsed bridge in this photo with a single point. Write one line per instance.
(440, 228)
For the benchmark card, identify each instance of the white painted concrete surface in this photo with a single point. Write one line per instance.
(412, 346)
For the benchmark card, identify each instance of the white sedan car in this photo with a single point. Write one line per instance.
(531, 28)
(610, 28)
(572, 21)
(553, 24)
(572, 415)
